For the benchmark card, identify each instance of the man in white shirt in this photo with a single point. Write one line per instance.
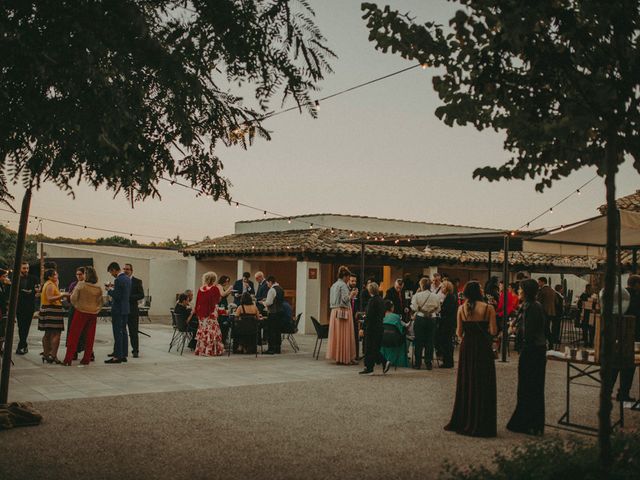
(273, 323)
(425, 304)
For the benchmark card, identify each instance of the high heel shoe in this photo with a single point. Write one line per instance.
(56, 360)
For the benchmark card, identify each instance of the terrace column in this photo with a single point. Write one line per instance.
(307, 294)
(243, 266)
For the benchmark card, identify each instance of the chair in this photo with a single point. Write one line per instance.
(181, 331)
(143, 311)
(322, 332)
(244, 325)
(287, 334)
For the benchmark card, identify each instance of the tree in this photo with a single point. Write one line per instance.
(117, 240)
(8, 248)
(174, 244)
(559, 78)
(123, 93)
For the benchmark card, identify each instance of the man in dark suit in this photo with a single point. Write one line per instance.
(26, 306)
(137, 294)
(241, 286)
(373, 332)
(396, 295)
(119, 292)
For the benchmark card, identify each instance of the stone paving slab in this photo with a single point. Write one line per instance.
(158, 370)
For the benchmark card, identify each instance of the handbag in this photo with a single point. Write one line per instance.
(342, 314)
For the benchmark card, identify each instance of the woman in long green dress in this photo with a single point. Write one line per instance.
(396, 355)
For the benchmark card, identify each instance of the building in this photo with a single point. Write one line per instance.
(304, 253)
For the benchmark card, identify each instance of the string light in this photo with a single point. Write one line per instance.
(578, 191)
(40, 219)
(317, 105)
(289, 221)
(264, 213)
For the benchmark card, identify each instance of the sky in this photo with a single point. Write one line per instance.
(377, 151)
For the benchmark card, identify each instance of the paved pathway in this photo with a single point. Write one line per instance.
(159, 371)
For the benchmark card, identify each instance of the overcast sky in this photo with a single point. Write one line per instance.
(378, 151)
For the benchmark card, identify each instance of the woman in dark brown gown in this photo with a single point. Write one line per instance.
(474, 410)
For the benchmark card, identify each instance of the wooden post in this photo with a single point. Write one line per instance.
(13, 298)
(363, 282)
(505, 298)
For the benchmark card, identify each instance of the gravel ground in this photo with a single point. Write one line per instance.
(353, 427)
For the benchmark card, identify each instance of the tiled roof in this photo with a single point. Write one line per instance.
(629, 202)
(307, 215)
(325, 242)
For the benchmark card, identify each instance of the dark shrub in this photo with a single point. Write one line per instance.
(556, 458)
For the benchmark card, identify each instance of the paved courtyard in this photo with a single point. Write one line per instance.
(289, 416)
(159, 371)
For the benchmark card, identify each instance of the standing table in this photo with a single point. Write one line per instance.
(587, 369)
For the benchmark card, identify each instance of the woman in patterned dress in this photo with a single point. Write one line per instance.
(51, 317)
(209, 336)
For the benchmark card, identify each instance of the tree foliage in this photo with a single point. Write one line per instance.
(117, 240)
(8, 248)
(123, 92)
(560, 78)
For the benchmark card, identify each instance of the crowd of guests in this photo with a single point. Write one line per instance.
(436, 316)
(433, 315)
(79, 303)
(210, 321)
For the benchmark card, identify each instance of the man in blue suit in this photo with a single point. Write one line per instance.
(241, 286)
(119, 293)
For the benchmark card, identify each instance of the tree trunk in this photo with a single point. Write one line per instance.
(13, 299)
(606, 387)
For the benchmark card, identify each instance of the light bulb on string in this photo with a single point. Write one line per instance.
(311, 225)
(264, 213)
(551, 210)
(578, 192)
(289, 221)
(316, 104)
(237, 205)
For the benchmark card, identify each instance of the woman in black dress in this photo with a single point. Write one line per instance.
(474, 411)
(529, 414)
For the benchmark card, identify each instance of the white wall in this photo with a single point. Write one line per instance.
(307, 295)
(169, 277)
(101, 261)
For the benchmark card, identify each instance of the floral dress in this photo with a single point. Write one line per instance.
(209, 336)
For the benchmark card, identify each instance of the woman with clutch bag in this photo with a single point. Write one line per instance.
(342, 342)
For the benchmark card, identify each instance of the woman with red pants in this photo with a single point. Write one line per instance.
(87, 300)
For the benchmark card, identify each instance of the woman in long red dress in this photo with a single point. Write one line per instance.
(209, 336)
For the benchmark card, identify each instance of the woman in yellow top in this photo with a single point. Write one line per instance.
(51, 317)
